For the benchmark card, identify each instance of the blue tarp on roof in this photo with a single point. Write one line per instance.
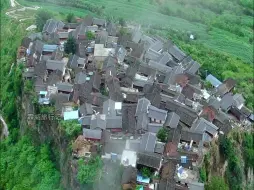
(71, 115)
(213, 80)
(50, 48)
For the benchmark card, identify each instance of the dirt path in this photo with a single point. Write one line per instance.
(17, 11)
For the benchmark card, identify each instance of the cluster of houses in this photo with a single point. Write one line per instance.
(123, 87)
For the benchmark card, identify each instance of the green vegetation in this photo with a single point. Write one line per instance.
(216, 183)
(88, 171)
(70, 18)
(146, 172)
(202, 174)
(162, 134)
(41, 17)
(70, 46)
(90, 35)
(248, 150)
(234, 172)
(24, 166)
(71, 128)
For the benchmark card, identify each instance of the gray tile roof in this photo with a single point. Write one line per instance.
(142, 106)
(129, 175)
(59, 99)
(112, 29)
(75, 61)
(188, 135)
(114, 122)
(92, 133)
(152, 55)
(159, 147)
(109, 108)
(154, 127)
(52, 26)
(165, 58)
(226, 102)
(193, 67)
(238, 100)
(176, 52)
(99, 22)
(55, 65)
(157, 46)
(128, 118)
(64, 86)
(225, 87)
(172, 120)
(86, 120)
(102, 37)
(54, 78)
(80, 78)
(137, 49)
(98, 121)
(121, 53)
(40, 69)
(142, 121)
(86, 109)
(113, 85)
(152, 160)
(159, 67)
(148, 142)
(110, 61)
(203, 125)
(157, 113)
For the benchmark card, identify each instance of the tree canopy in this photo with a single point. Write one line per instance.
(87, 171)
(162, 134)
(41, 18)
(90, 35)
(24, 166)
(70, 46)
(216, 183)
(70, 18)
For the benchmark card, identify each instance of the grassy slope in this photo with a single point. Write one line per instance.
(143, 12)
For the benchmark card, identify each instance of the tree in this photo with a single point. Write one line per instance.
(216, 183)
(90, 35)
(202, 174)
(146, 172)
(41, 18)
(162, 134)
(87, 172)
(122, 22)
(71, 127)
(70, 18)
(70, 46)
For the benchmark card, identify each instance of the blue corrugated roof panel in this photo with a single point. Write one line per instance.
(49, 48)
(183, 159)
(213, 80)
(71, 115)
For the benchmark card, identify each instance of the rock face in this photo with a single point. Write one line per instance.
(48, 131)
(4, 128)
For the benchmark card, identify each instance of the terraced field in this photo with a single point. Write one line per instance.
(181, 15)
